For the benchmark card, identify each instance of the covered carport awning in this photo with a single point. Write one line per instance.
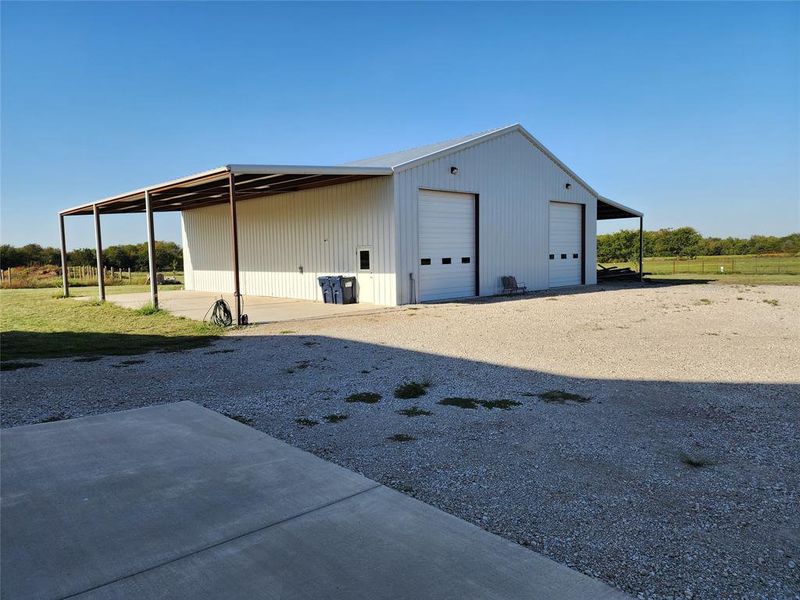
(608, 209)
(213, 187)
(223, 185)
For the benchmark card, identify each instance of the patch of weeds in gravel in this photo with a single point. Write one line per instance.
(222, 351)
(401, 437)
(459, 402)
(695, 462)
(287, 331)
(415, 411)
(560, 397)
(474, 403)
(14, 365)
(304, 422)
(704, 301)
(364, 397)
(88, 359)
(59, 416)
(412, 389)
(501, 404)
(334, 418)
(771, 302)
(128, 363)
(241, 418)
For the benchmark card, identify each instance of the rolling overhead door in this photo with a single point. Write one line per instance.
(566, 254)
(446, 245)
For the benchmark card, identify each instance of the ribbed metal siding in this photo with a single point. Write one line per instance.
(318, 230)
(515, 183)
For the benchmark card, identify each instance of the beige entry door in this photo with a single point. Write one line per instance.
(364, 275)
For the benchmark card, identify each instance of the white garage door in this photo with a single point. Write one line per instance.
(565, 244)
(446, 245)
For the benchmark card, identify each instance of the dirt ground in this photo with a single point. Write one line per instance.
(674, 474)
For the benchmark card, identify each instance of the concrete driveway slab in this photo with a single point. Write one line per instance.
(259, 309)
(176, 501)
(90, 500)
(376, 545)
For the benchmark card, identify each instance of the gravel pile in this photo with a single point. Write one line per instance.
(673, 474)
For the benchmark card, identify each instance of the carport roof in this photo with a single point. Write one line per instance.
(211, 187)
(608, 209)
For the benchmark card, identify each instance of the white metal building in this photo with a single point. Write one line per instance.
(439, 222)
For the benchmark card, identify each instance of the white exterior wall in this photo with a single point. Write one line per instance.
(319, 229)
(515, 183)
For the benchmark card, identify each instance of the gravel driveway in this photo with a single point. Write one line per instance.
(676, 478)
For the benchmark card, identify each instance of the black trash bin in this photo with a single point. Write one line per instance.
(349, 295)
(343, 289)
(327, 289)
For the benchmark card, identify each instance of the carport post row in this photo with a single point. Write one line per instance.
(225, 185)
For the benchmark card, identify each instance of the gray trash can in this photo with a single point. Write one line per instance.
(336, 289)
(327, 289)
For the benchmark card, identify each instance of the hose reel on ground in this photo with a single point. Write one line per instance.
(221, 314)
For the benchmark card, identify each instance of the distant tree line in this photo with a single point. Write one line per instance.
(169, 256)
(686, 242)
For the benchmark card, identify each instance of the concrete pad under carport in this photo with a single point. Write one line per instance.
(259, 309)
(176, 501)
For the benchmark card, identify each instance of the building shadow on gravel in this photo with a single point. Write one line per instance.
(31, 345)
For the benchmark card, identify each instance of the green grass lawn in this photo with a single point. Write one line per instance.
(35, 324)
(751, 270)
(732, 278)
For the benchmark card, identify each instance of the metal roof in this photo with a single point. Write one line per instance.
(256, 181)
(606, 209)
(401, 157)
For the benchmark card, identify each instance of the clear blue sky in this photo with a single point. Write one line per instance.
(686, 111)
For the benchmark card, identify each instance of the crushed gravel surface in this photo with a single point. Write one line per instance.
(678, 478)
